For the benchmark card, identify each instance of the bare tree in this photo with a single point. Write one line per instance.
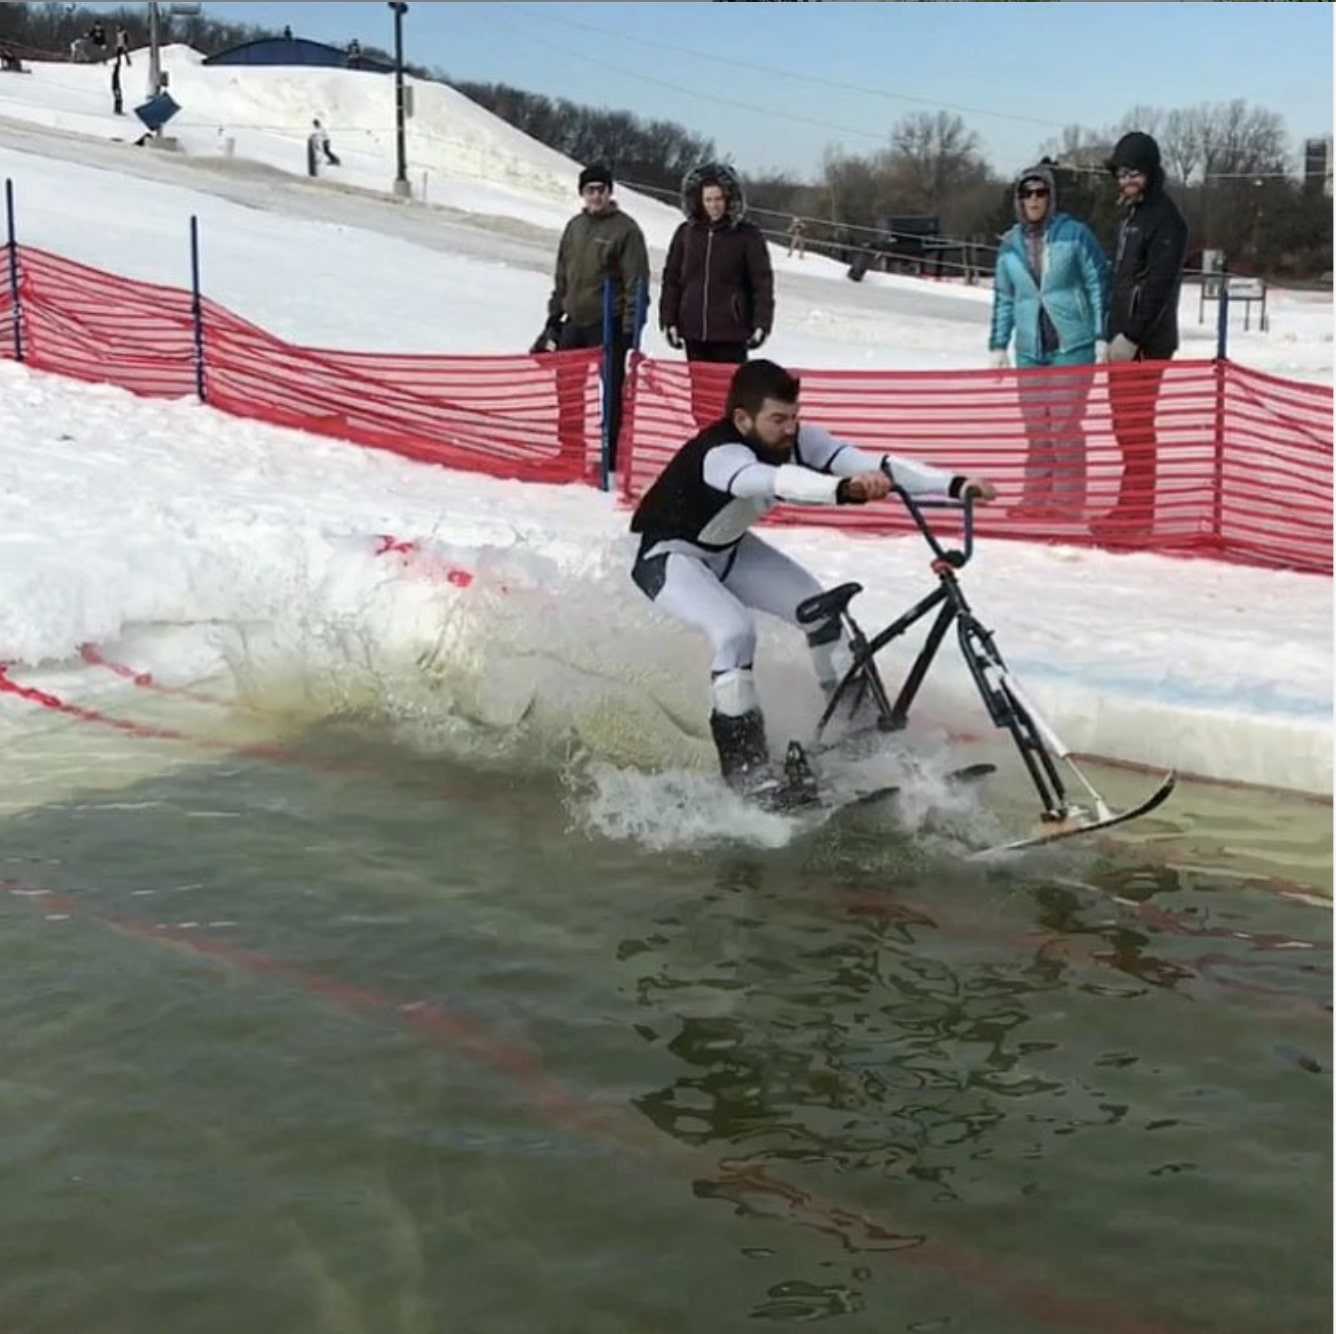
(1237, 139)
(930, 155)
(1077, 147)
(1181, 144)
(1149, 120)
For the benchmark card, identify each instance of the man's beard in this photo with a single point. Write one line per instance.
(772, 454)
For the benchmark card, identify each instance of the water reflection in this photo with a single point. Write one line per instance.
(837, 1035)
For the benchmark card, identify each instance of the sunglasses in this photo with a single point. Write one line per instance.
(1129, 174)
(1035, 192)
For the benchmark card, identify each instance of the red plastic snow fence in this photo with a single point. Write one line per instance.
(535, 418)
(1188, 457)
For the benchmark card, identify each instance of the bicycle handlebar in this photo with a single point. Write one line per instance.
(915, 506)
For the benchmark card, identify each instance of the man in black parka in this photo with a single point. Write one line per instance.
(1143, 324)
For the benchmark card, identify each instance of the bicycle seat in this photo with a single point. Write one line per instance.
(825, 606)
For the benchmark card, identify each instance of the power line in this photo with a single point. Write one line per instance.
(715, 99)
(734, 63)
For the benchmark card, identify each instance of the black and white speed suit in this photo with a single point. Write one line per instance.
(698, 561)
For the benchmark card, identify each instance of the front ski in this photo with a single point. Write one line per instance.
(1085, 824)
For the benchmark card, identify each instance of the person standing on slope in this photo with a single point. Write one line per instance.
(718, 292)
(1143, 325)
(699, 562)
(1050, 293)
(599, 242)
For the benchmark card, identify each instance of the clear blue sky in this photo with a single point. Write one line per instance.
(1015, 73)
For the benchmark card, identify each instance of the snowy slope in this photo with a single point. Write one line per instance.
(470, 159)
(496, 203)
(199, 546)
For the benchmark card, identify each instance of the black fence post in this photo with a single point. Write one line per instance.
(13, 247)
(642, 312)
(1221, 376)
(196, 308)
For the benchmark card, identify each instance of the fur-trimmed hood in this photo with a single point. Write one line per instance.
(713, 173)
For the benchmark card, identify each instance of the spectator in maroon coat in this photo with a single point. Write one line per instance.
(718, 292)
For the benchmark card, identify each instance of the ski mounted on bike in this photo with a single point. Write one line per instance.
(1005, 700)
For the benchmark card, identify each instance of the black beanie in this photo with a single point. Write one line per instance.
(1137, 151)
(593, 174)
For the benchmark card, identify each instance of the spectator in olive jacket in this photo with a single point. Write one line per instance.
(599, 242)
(718, 294)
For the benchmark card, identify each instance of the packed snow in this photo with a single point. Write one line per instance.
(201, 548)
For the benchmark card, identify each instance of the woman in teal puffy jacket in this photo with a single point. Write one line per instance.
(1051, 292)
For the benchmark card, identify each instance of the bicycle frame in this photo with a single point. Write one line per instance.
(1002, 696)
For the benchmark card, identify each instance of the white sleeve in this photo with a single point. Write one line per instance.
(919, 479)
(736, 470)
(818, 449)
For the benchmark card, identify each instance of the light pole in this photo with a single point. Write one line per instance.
(155, 79)
(401, 186)
(154, 68)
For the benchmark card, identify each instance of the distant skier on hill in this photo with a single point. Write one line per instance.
(317, 143)
(117, 104)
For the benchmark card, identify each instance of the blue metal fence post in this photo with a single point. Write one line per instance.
(13, 247)
(196, 308)
(609, 351)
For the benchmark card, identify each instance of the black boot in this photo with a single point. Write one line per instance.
(744, 756)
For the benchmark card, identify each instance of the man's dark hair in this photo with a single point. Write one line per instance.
(755, 381)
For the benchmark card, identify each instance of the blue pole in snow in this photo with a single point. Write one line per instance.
(609, 350)
(196, 309)
(13, 247)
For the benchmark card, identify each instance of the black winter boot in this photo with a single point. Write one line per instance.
(744, 756)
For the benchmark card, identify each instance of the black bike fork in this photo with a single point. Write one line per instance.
(1008, 712)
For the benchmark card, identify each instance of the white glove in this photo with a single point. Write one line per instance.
(1101, 351)
(998, 359)
(672, 337)
(758, 337)
(1122, 348)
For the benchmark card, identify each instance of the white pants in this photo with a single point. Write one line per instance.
(716, 595)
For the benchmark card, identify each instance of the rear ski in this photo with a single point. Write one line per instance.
(800, 791)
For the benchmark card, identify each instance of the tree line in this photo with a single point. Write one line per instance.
(1228, 163)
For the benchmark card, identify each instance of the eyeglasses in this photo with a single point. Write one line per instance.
(1035, 192)
(1129, 174)
(596, 189)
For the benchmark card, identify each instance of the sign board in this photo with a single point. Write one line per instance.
(157, 111)
(1247, 289)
